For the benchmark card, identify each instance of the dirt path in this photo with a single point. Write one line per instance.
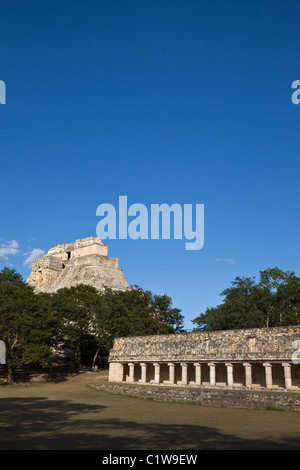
(72, 415)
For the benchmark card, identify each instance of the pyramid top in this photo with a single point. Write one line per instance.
(82, 247)
(85, 261)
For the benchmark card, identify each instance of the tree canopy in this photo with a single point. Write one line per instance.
(27, 323)
(90, 320)
(80, 319)
(273, 300)
(86, 321)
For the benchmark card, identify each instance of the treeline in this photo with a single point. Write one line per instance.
(272, 300)
(78, 319)
(85, 322)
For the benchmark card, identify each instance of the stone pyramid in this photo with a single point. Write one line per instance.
(84, 262)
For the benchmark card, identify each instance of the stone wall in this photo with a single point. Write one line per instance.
(209, 397)
(85, 261)
(46, 270)
(253, 358)
(232, 345)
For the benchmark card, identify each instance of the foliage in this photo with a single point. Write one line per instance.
(87, 322)
(90, 320)
(75, 307)
(272, 301)
(27, 324)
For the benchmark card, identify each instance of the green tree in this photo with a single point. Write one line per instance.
(167, 314)
(135, 312)
(288, 295)
(76, 307)
(90, 320)
(27, 324)
(273, 300)
(78, 318)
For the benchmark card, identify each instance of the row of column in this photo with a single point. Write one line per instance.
(212, 374)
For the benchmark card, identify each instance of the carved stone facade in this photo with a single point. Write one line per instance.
(84, 262)
(256, 358)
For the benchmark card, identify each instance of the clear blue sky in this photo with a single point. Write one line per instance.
(185, 101)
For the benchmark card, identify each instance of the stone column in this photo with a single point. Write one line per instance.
(248, 374)
(197, 373)
(121, 372)
(229, 375)
(116, 373)
(268, 372)
(171, 372)
(131, 372)
(212, 374)
(184, 378)
(143, 373)
(156, 373)
(287, 375)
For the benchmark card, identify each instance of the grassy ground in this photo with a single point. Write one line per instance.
(69, 414)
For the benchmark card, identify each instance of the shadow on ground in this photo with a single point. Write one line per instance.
(40, 423)
(23, 376)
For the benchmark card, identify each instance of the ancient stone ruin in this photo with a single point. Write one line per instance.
(84, 262)
(256, 358)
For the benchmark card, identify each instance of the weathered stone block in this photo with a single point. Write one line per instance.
(84, 262)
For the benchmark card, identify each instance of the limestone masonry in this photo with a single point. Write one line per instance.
(253, 358)
(84, 262)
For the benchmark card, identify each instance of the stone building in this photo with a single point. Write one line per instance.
(253, 358)
(84, 262)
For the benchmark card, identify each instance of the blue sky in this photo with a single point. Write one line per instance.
(168, 101)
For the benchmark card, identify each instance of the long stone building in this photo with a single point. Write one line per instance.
(253, 358)
(85, 261)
